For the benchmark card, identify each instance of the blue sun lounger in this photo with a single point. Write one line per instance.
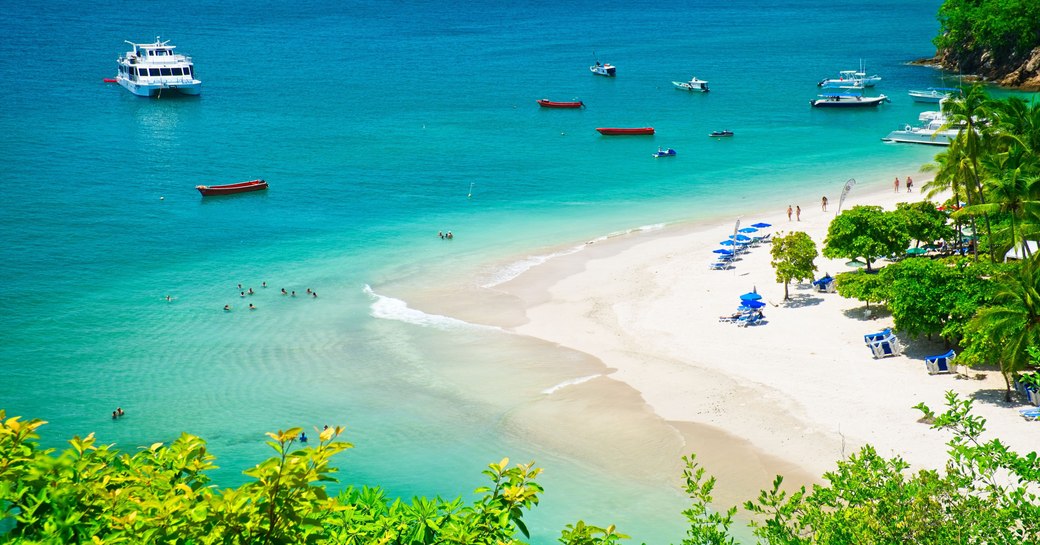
(883, 344)
(943, 363)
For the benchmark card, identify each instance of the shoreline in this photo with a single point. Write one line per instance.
(789, 397)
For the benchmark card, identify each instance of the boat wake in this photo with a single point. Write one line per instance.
(389, 308)
(566, 383)
(515, 269)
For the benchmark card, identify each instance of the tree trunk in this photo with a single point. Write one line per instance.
(1007, 381)
(786, 297)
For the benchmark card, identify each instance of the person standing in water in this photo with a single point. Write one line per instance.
(824, 203)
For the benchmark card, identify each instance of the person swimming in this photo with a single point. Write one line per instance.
(303, 437)
(227, 308)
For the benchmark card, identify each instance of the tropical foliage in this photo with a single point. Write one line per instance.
(793, 259)
(867, 232)
(1003, 27)
(94, 494)
(91, 493)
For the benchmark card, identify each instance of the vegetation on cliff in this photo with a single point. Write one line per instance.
(997, 39)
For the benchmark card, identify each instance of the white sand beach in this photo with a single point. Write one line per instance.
(790, 396)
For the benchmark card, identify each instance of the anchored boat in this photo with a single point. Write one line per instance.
(607, 70)
(847, 101)
(693, 85)
(546, 103)
(149, 69)
(617, 131)
(231, 189)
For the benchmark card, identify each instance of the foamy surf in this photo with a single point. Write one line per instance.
(515, 269)
(566, 383)
(389, 308)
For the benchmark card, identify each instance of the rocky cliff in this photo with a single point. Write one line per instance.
(1020, 73)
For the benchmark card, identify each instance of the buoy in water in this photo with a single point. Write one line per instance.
(110, 80)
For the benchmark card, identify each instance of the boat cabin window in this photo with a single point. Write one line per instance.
(191, 69)
(166, 71)
(153, 71)
(177, 71)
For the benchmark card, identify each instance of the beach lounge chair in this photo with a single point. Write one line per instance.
(720, 265)
(1032, 413)
(751, 318)
(825, 284)
(883, 344)
(942, 363)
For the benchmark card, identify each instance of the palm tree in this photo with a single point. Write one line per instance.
(1012, 323)
(970, 113)
(1010, 190)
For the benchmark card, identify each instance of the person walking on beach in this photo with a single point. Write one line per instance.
(824, 202)
(798, 212)
(789, 212)
(896, 185)
(909, 184)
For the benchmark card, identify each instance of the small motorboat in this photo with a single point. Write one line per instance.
(230, 189)
(847, 101)
(546, 103)
(664, 153)
(607, 70)
(616, 131)
(934, 95)
(693, 85)
(721, 133)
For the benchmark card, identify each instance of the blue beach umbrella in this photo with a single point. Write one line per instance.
(751, 305)
(761, 225)
(750, 296)
(749, 230)
(740, 238)
(727, 243)
(723, 251)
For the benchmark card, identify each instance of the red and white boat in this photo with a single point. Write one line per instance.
(615, 131)
(230, 189)
(546, 103)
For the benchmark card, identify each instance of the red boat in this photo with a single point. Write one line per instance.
(546, 103)
(230, 189)
(608, 131)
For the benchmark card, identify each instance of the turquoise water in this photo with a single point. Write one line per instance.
(377, 125)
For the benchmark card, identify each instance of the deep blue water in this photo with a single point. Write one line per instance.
(378, 124)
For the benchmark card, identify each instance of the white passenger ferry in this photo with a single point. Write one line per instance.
(148, 70)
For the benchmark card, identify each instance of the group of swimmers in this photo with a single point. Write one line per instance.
(444, 235)
(227, 308)
(117, 413)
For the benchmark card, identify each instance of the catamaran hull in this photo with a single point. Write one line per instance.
(154, 90)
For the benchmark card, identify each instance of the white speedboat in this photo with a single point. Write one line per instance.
(148, 70)
(852, 77)
(693, 85)
(929, 132)
(847, 101)
(603, 69)
(934, 95)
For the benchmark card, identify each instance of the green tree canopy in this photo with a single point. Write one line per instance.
(1006, 28)
(861, 285)
(924, 223)
(1012, 323)
(793, 258)
(868, 232)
